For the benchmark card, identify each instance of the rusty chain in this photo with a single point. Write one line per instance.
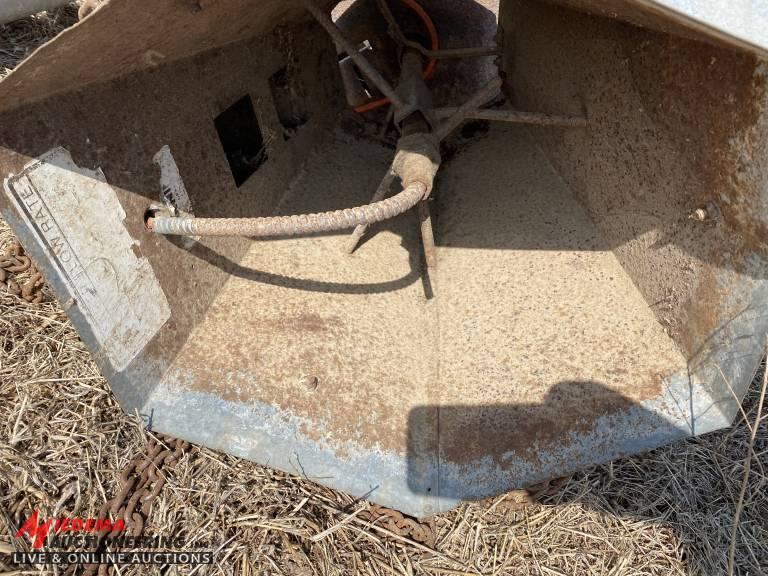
(398, 523)
(141, 481)
(534, 494)
(88, 7)
(548, 488)
(14, 261)
(424, 532)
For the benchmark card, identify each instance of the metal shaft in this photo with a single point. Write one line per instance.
(515, 116)
(365, 67)
(478, 99)
(378, 196)
(415, 96)
(397, 35)
(448, 53)
(427, 234)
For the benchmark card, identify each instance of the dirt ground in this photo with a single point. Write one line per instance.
(64, 442)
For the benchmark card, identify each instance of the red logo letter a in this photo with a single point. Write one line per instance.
(36, 533)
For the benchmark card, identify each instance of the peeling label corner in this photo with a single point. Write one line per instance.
(173, 193)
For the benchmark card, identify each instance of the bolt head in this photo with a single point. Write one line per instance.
(309, 382)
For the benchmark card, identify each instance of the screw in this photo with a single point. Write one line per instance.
(309, 382)
(709, 212)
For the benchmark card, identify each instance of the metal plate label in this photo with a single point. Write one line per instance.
(77, 220)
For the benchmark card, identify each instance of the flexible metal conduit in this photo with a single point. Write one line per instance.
(293, 225)
(11, 10)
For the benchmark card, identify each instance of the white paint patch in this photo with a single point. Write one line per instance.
(172, 189)
(77, 220)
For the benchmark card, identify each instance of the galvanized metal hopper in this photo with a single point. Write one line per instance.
(584, 281)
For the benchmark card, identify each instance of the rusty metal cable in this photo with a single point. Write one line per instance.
(379, 195)
(295, 225)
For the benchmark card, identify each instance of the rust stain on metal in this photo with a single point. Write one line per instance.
(709, 97)
(305, 322)
(527, 430)
(712, 100)
(672, 124)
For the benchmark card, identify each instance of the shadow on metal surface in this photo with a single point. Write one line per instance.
(520, 445)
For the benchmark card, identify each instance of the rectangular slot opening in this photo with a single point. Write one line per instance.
(242, 140)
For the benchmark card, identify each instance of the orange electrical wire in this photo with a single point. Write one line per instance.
(429, 69)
